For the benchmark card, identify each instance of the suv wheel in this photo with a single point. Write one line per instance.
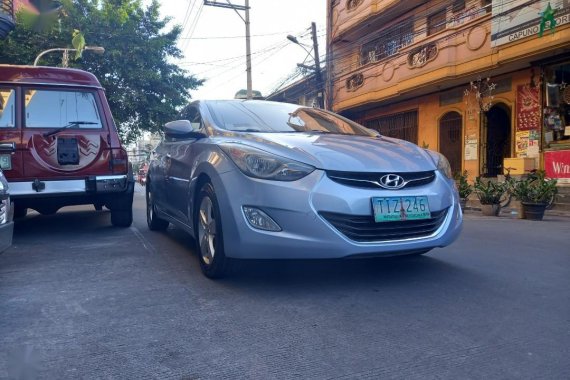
(122, 209)
(20, 212)
(122, 218)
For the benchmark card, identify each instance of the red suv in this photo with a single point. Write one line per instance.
(59, 145)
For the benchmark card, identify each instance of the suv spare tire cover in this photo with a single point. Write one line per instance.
(44, 150)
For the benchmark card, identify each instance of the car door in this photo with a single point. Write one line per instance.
(179, 159)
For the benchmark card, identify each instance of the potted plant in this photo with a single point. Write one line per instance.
(535, 192)
(463, 188)
(490, 194)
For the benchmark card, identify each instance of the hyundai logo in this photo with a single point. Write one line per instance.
(392, 181)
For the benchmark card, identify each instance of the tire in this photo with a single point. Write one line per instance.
(48, 210)
(122, 218)
(152, 220)
(20, 212)
(209, 236)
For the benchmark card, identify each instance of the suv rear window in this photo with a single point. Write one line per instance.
(7, 113)
(58, 108)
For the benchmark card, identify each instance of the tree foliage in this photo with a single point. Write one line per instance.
(144, 88)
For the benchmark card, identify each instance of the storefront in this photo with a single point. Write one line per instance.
(556, 120)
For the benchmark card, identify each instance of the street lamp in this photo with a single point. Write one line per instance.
(66, 51)
(317, 67)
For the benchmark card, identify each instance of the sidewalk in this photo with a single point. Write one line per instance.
(512, 212)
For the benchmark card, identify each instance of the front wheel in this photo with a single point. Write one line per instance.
(152, 220)
(209, 236)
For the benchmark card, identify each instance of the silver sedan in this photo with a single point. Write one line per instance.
(264, 180)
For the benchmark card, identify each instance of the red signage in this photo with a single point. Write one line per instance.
(528, 108)
(557, 164)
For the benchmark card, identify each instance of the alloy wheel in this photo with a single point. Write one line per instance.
(207, 230)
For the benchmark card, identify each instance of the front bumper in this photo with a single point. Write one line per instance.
(298, 208)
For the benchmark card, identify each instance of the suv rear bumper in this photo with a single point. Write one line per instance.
(89, 186)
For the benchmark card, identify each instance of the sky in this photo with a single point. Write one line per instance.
(213, 42)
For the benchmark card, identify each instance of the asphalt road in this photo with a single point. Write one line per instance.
(80, 299)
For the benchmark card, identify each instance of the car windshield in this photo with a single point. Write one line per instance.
(281, 117)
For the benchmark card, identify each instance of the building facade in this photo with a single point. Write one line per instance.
(306, 92)
(483, 82)
(8, 9)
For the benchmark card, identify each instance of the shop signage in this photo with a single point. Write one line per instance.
(517, 19)
(557, 165)
(528, 108)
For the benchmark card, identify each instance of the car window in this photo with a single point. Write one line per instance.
(58, 108)
(192, 114)
(281, 117)
(7, 108)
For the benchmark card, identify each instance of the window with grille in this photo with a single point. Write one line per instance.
(388, 42)
(436, 22)
(401, 126)
(458, 5)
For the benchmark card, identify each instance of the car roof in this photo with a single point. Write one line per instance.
(46, 75)
(251, 101)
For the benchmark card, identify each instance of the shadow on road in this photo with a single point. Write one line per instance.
(175, 249)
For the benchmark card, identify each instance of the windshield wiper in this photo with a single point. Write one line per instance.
(69, 125)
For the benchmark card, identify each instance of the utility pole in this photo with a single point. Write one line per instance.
(237, 8)
(317, 65)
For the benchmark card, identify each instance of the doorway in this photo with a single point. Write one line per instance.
(450, 133)
(497, 130)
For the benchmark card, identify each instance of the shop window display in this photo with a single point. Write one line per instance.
(556, 111)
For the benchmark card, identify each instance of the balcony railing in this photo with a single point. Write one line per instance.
(359, 80)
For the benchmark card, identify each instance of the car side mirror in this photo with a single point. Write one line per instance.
(181, 129)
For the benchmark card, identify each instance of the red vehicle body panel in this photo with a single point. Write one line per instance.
(59, 144)
(39, 152)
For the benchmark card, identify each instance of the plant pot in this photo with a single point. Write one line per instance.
(533, 211)
(462, 203)
(520, 211)
(491, 210)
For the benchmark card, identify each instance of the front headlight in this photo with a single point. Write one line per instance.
(442, 163)
(257, 163)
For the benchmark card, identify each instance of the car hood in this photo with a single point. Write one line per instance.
(343, 152)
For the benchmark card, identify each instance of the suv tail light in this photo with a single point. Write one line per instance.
(119, 161)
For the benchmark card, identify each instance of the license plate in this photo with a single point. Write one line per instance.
(5, 162)
(393, 209)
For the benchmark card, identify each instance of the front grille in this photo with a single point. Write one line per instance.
(363, 228)
(371, 180)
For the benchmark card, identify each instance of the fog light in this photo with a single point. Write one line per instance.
(260, 220)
